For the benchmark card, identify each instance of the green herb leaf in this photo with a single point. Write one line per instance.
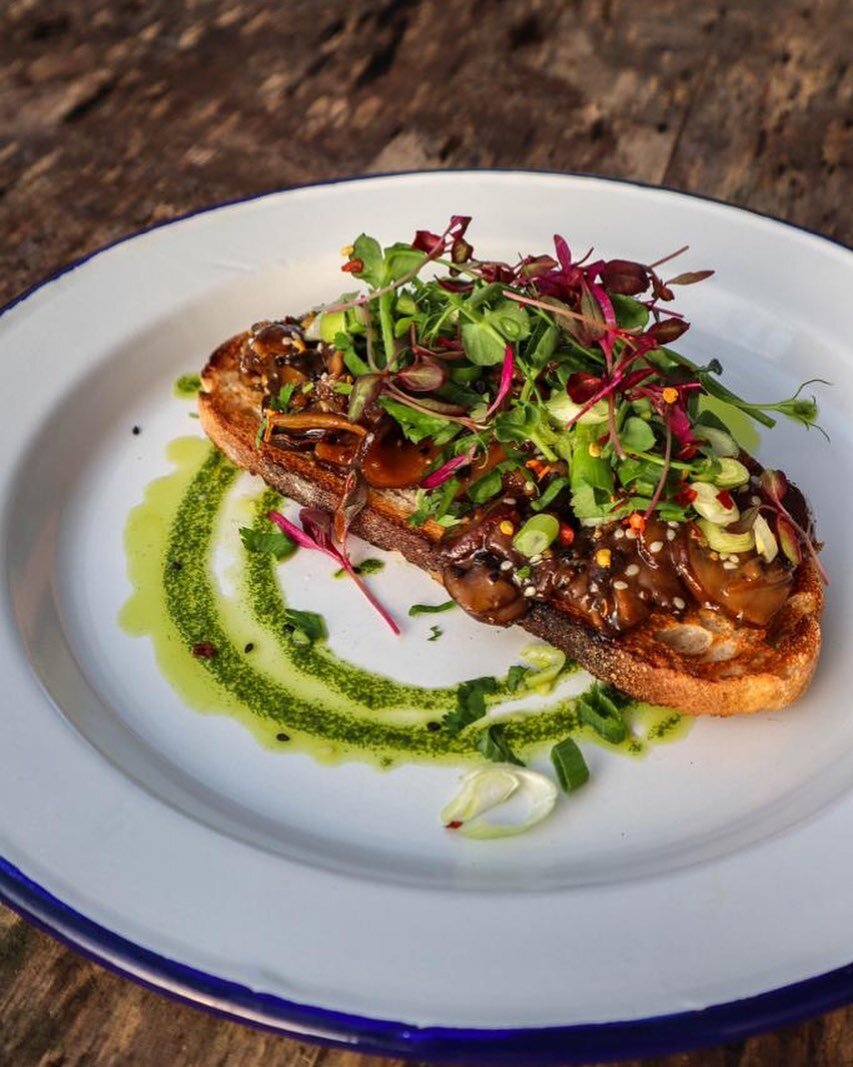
(571, 768)
(401, 259)
(630, 313)
(552, 491)
(470, 704)
(282, 401)
(431, 609)
(188, 385)
(306, 627)
(515, 677)
(275, 541)
(415, 424)
(493, 744)
(434, 633)
(367, 566)
(636, 435)
(486, 487)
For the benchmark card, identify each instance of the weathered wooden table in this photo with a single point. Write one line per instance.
(116, 116)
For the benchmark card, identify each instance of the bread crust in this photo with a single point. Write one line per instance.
(742, 670)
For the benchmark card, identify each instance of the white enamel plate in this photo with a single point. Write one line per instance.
(691, 896)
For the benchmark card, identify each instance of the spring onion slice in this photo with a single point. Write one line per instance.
(536, 535)
(571, 768)
(550, 662)
(490, 788)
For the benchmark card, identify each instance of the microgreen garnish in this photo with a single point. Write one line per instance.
(431, 609)
(434, 633)
(550, 377)
(274, 541)
(304, 627)
(494, 746)
(470, 704)
(316, 532)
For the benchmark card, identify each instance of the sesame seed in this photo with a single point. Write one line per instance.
(756, 500)
(537, 558)
(506, 565)
(655, 546)
(619, 584)
(509, 501)
(678, 603)
(672, 525)
(530, 590)
(729, 566)
(670, 535)
(632, 569)
(755, 479)
(631, 535)
(618, 534)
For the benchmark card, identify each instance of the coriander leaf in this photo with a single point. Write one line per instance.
(515, 677)
(274, 541)
(553, 490)
(493, 744)
(188, 384)
(282, 401)
(431, 609)
(470, 704)
(367, 566)
(571, 768)
(306, 627)
(369, 251)
(434, 633)
(636, 435)
(415, 424)
(486, 487)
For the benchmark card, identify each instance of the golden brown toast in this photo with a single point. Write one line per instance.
(700, 663)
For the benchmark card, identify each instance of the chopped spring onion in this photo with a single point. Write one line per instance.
(533, 798)
(536, 535)
(549, 660)
(431, 609)
(765, 541)
(597, 710)
(707, 502)
(732, 473)
(571, 768)
(720, 540)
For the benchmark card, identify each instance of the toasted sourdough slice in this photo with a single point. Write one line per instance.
(701, 663)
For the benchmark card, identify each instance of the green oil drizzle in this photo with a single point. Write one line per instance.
(187, 386)
(289, 695)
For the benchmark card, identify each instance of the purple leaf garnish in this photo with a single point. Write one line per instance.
(505, 384)
(446, 470)
(316, 533)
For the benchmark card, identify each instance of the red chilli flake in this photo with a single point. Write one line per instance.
(685, 496)
(205, 650)
(725, 498)
(455, 825)
(353, 266)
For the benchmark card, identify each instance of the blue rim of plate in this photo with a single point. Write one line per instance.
(654, 1036)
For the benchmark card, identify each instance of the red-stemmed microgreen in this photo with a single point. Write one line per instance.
(315, 532)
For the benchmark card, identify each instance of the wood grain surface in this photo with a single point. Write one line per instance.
(115, 116)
